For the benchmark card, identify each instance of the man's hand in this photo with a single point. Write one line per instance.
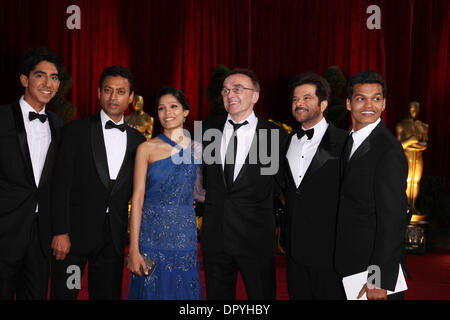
(373, 294)
(61, 246)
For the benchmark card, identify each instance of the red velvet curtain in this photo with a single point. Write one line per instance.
(179, 43)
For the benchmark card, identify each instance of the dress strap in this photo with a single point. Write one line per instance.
(164, 138)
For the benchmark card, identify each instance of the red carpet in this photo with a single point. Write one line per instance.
(430, 272)
(431, 277)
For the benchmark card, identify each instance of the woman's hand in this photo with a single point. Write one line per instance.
(136, 264)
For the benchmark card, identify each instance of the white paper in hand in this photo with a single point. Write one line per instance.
(354, 283)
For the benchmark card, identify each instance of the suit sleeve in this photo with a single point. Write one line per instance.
(391, 206)
(62, 182)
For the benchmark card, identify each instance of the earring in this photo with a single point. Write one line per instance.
(184, 120)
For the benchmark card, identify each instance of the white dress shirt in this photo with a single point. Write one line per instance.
(245, 135)
(361, 135)
(302, 151)
(115, 144)
(39, 137)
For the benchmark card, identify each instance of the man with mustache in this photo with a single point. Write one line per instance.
(93, 184)
(29, 135)
(372, 215)
(311, 179)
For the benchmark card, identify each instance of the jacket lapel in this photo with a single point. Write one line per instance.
(22, 140)
(289, 174)
(127, 161)
(361, 151)
(51, 152)
(365, 145)
(323, 154)
(253, 150)
(99, 149)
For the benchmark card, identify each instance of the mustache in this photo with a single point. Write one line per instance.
(300, 108)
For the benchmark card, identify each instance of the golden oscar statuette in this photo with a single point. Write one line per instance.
(413, 135)
(139, 119)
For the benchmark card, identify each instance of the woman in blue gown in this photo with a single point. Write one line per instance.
(163, 223)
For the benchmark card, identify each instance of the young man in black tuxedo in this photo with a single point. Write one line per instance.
(311, 175)
(93, 184)
(372, 216)
(29, 135)
(238, 231)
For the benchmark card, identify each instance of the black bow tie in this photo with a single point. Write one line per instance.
(237, 125)
(111, 125)
(34, 115)
(309, 133)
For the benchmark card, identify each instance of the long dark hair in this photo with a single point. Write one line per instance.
(178, 94)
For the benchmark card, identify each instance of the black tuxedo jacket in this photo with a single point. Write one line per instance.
(82, 192)
(19, 194)
(239, 220)
(311, 208)
(372, 214)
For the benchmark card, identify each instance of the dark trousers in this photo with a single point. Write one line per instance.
(105, 272)
(221, 271)
(312, 283)
(26, 277)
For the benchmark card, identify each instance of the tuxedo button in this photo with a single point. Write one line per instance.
(298, 193)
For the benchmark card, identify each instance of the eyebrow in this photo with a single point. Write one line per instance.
(170, 102)
(305, 95)
(43, 72)
(234, 86)
(119, 88)
(365, 95)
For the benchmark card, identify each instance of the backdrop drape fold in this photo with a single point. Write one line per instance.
(179, 42)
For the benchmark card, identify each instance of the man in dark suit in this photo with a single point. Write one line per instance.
(238, 231)
(311, 175)
(93, 184)
(372, 214)
(29, 136)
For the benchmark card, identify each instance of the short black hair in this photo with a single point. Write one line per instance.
(366, 77)
(34, 56)
(177, 93)
(246, 72)
(117, 71)
(323, 90)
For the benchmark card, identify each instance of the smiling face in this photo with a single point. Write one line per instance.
(115, 96)
(41, 84)
(366, 105)
(305, 105)
(170, 112)
(239, 105)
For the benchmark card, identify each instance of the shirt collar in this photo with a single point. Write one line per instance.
(252, 120)
(27, 108)
(319, 129)
(105, 118)
(322, 124)
(360, 135)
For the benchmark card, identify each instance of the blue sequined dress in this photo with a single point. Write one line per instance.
(168, 231)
